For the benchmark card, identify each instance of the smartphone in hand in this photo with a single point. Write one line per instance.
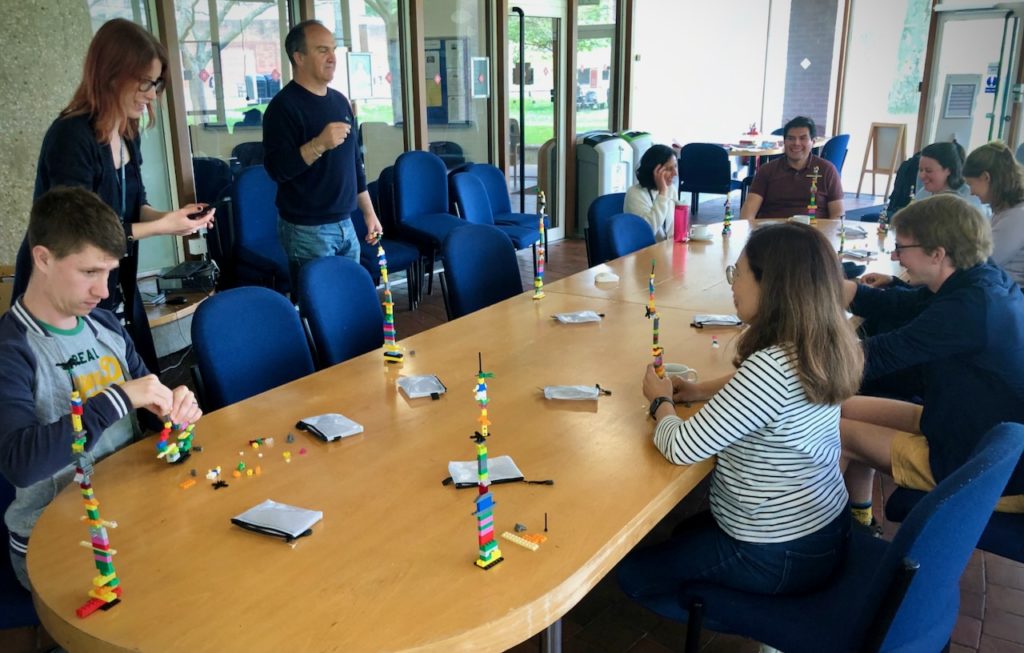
(202, 213)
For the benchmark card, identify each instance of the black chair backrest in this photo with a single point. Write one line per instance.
(906, 182)
(248, 154)
(704, 164)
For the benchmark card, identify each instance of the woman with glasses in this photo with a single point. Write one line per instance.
(778, 521)
(996, 179)
(963, 331)
(94, 143)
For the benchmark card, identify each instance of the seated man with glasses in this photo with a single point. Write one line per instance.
(963, 327)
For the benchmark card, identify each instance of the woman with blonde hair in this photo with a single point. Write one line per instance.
(94, 143)
(778, 521)
(996, 178)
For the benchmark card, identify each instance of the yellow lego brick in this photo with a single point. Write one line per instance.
(515, 539)
(100, 581)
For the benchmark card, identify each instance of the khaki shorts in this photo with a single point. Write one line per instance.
(911, 469)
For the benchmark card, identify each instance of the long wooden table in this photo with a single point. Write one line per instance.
(390, 567)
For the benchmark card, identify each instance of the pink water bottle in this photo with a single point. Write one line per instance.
(682, 223)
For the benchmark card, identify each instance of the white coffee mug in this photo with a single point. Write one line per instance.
(802, 219)
(682, 371)
(700, 232)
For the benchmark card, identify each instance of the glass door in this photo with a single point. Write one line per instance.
(537, 113)
(969, 96)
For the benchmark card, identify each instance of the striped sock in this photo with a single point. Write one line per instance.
(861, 512)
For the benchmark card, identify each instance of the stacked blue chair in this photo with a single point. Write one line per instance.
(259, 258)
(474, 207)
(627, 233)
(400, 254)
(497, 192)
(835, 149)
(339, 303)
(247, 340)
(480, 269)
(421, 204)
(705, 168)
(16, 610)
(899, 596)
(595, 234)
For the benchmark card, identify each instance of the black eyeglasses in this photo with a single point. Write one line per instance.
(145, 85)
(897, 248)
(730, 273)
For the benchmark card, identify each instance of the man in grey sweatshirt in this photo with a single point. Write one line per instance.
(55, 340)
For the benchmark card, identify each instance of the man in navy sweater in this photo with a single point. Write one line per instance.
(309, 153)
(963, 328)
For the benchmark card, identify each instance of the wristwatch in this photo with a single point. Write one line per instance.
(656, 404)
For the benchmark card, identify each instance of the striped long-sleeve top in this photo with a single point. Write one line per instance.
(777, 477)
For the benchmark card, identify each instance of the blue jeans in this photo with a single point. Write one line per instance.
(701, 551)
(304, 243)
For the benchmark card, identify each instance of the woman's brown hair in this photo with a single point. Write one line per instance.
(1006, 177)
(800, 309)
(118, 58)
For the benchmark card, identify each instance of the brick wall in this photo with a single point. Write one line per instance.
(812, 28)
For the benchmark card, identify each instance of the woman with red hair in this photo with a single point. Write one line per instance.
(94, 143)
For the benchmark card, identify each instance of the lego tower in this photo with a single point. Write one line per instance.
(538, 279)
(106, 591)
(652, 312)
(812, 205)
(392, 353)
(727, 222)
(490, 554)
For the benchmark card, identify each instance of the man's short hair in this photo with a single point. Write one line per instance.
(295, 41)
(950, 222)
(801, 121)
(65, 220)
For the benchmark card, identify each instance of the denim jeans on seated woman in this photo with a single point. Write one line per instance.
(701, 551)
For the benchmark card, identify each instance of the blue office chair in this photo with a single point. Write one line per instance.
(627, 233)
(1004, 534)
(474, 206)
(595, 234)
(338, 301)
(899, 596)
(421, 204)
(272, 352)
(400, 254)
(497, 192)
(480, 269)
(259, 258)
(16, 609)
(834, 150)
(704, 168)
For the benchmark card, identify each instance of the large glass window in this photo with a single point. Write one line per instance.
(368, 73)
(160, 251)
(233, 64)
(455, 53)
(595, 54)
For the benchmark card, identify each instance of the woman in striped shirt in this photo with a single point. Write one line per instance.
(778, 521)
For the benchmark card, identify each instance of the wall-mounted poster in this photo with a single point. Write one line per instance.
(360, 76)
(481, 70)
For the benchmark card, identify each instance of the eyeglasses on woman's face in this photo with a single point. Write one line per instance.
(146, 85)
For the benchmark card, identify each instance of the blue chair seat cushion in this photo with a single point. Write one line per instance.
(400, 256)
(528, 220)
(264, 255)
(521, 237)
(432, 227)
(787, 626)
